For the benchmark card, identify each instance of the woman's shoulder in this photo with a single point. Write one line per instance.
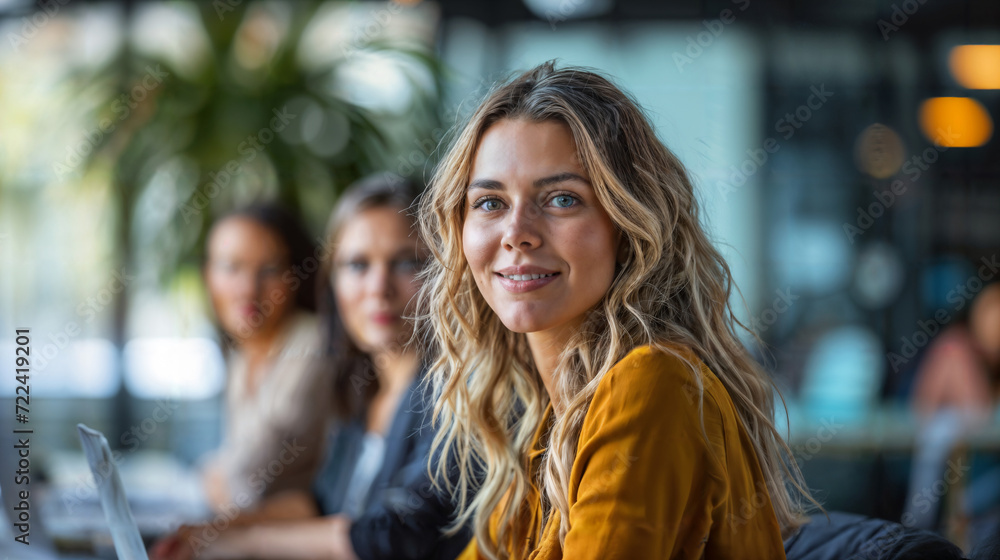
(665, 357)
(303, 334)
(650, 404)
(657, 380)
(297, 367)
(660, 367)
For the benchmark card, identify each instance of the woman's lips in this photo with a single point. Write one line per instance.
(384, 318)
(521, 286)
(248, 310)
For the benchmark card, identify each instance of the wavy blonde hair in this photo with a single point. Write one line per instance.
(672, 291)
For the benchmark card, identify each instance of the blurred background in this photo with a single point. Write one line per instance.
(844, 155)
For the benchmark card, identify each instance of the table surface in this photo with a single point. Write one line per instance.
(892, 428)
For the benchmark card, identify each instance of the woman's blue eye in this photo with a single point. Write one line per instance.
(488, 204)
(563, 201)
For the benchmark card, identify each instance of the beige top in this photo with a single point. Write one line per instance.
(273, 439)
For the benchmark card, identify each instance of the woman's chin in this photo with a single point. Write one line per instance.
(386, 342)
(524, 325)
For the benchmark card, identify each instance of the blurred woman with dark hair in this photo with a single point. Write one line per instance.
(374, 497)
(260, 271)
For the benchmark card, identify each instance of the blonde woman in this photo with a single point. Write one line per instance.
(586, 354)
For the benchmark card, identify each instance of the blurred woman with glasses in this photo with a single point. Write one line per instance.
(260, 270)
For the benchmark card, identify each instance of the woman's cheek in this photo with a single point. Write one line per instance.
(347, 296)
(477, 248)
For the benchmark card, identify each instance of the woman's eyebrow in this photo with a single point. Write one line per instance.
(490, 184)
(348, 254)
(559, 178)
(406, 252)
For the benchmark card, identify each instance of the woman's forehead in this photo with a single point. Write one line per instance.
(382, 229)
(525, 150)
(242, 235)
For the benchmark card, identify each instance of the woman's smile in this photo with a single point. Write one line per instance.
(522, 279)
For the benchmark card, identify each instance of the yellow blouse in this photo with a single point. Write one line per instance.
(646, 484)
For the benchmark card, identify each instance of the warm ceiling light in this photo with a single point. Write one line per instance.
(879, 151)
(955, 122)
(976, 66)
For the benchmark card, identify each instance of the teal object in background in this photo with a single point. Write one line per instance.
(842, 376)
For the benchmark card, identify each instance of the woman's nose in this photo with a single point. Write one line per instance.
(380, 281)
(246, 282)
(521, 229)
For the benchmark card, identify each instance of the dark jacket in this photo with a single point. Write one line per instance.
(403, 514)
(846, 536)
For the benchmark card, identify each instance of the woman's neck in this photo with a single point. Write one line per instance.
(395, 373)
(261, 341)
(395, 370)
(546, 348)
(258, 350)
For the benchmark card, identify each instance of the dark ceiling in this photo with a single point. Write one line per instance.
(927, 15)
